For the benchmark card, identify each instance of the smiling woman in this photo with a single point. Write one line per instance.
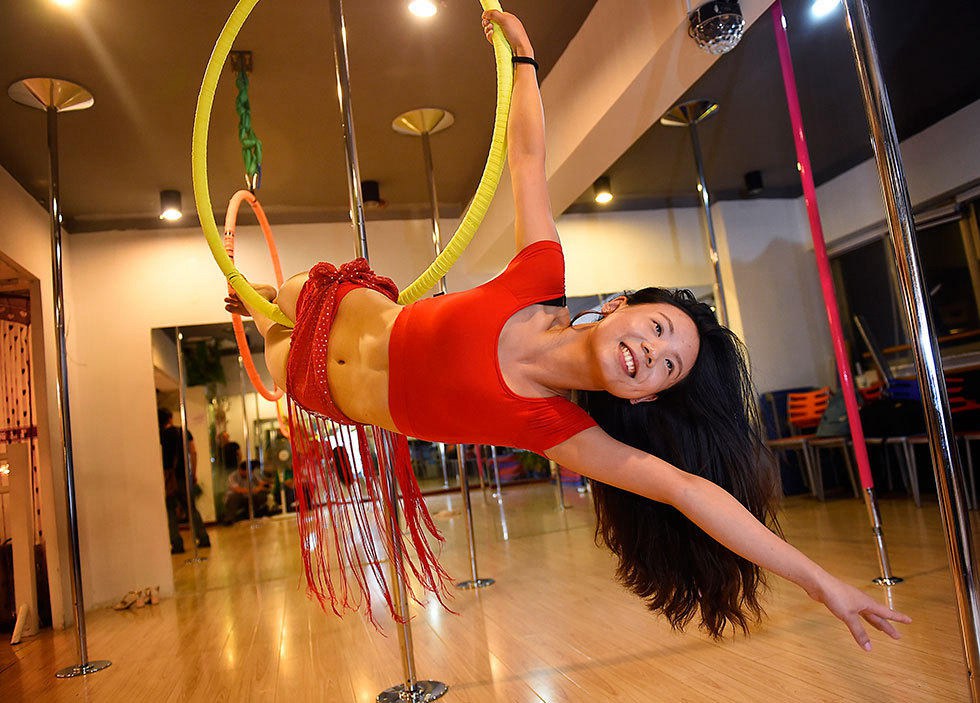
(666, 425)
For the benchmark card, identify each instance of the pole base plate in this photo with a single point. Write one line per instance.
(423, 692)
(70, 672)
(887, 580)
(474, 584)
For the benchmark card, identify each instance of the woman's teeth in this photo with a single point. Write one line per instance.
(628, 358)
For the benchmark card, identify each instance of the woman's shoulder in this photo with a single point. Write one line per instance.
(536, 273)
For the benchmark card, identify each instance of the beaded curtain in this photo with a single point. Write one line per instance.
(17, 421)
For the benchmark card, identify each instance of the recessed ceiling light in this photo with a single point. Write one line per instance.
(170, 205)
(66, 3)
(602, 192)
(822, 8)
(422, 8)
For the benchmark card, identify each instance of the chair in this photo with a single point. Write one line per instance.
(958, 405)
(803, 412)
(898, 390)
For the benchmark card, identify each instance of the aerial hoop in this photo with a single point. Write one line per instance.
(471, 219)
(231, 222)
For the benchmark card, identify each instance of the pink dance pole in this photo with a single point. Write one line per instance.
(829, 297)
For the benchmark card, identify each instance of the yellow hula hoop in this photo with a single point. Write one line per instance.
(202, 197)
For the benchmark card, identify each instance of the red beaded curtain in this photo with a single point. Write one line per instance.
(17, 419)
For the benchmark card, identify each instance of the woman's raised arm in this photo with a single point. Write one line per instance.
(714, 510)
(534, 221)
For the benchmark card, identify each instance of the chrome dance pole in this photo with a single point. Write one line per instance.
(928, 362)
(499, 495)
(54, 96)
(464, 487)
(689, 115)
(423, 122)
(355, 198)
(887, 578)
(559, 490)
(188, 480)
(412, 689)
(442, 460)
(247, 438)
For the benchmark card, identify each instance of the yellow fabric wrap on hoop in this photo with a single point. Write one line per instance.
(464, 233)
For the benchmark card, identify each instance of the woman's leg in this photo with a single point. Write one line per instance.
(277, 337)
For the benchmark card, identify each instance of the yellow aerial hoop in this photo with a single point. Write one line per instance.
(460, 239)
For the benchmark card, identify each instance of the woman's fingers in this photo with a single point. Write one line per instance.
(879, 616)
(858, 632)
(882, 624)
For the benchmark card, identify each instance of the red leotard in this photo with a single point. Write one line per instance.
(445, 382)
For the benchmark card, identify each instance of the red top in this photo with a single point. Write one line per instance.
(445, 383)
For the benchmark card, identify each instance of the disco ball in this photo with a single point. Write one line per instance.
(717, 26)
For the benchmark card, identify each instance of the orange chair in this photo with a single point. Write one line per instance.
(803, 412)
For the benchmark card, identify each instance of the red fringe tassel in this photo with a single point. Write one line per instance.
(343, 515)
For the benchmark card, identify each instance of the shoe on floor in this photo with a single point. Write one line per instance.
(152, 594)
(127, 601)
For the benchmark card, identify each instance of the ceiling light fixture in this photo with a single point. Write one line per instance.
(170, 205)
(717, 26)
(65, 3)
(602, 192)
(422, 8)
(371, 195)
(822, 8)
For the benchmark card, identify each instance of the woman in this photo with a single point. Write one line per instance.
(661, 380)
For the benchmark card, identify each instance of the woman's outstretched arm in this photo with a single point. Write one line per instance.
(714, 510)
(533, 221)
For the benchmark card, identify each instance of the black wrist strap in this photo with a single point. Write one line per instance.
(525, 59)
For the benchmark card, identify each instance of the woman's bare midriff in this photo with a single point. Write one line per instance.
(357, 351)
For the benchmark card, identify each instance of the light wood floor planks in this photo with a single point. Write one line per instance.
(554, 628)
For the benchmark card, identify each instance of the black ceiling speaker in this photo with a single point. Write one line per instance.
(753, 182)
(717, 26)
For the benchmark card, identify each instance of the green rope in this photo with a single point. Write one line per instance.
(251, 144)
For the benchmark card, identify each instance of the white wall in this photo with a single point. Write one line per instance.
(937, 160)
(616, 251)
(773, 291)
(25, 243)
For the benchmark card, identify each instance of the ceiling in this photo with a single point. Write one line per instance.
(928, 57)
(143, 62)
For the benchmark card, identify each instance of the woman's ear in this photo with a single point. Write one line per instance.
(613, 305)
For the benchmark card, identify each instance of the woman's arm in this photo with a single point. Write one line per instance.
(714, 510)
(534, 221)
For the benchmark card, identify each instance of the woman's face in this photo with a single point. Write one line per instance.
(644, 349)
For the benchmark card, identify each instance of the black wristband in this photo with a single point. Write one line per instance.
(525, 59)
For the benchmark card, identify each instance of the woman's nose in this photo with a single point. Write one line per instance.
(648, 352)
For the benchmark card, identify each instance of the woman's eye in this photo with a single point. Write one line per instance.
(670, 365)
(658, 328)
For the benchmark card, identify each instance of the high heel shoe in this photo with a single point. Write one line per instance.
(152, 594)
(128, 600)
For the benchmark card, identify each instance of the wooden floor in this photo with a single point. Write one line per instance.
(555, 627)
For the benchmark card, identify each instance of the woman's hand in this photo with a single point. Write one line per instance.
(513, 31)
(850, 605)
(235, 306)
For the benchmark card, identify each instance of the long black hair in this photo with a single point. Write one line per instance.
(707, 424)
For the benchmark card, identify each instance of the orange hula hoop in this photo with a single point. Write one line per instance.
(231, 221)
